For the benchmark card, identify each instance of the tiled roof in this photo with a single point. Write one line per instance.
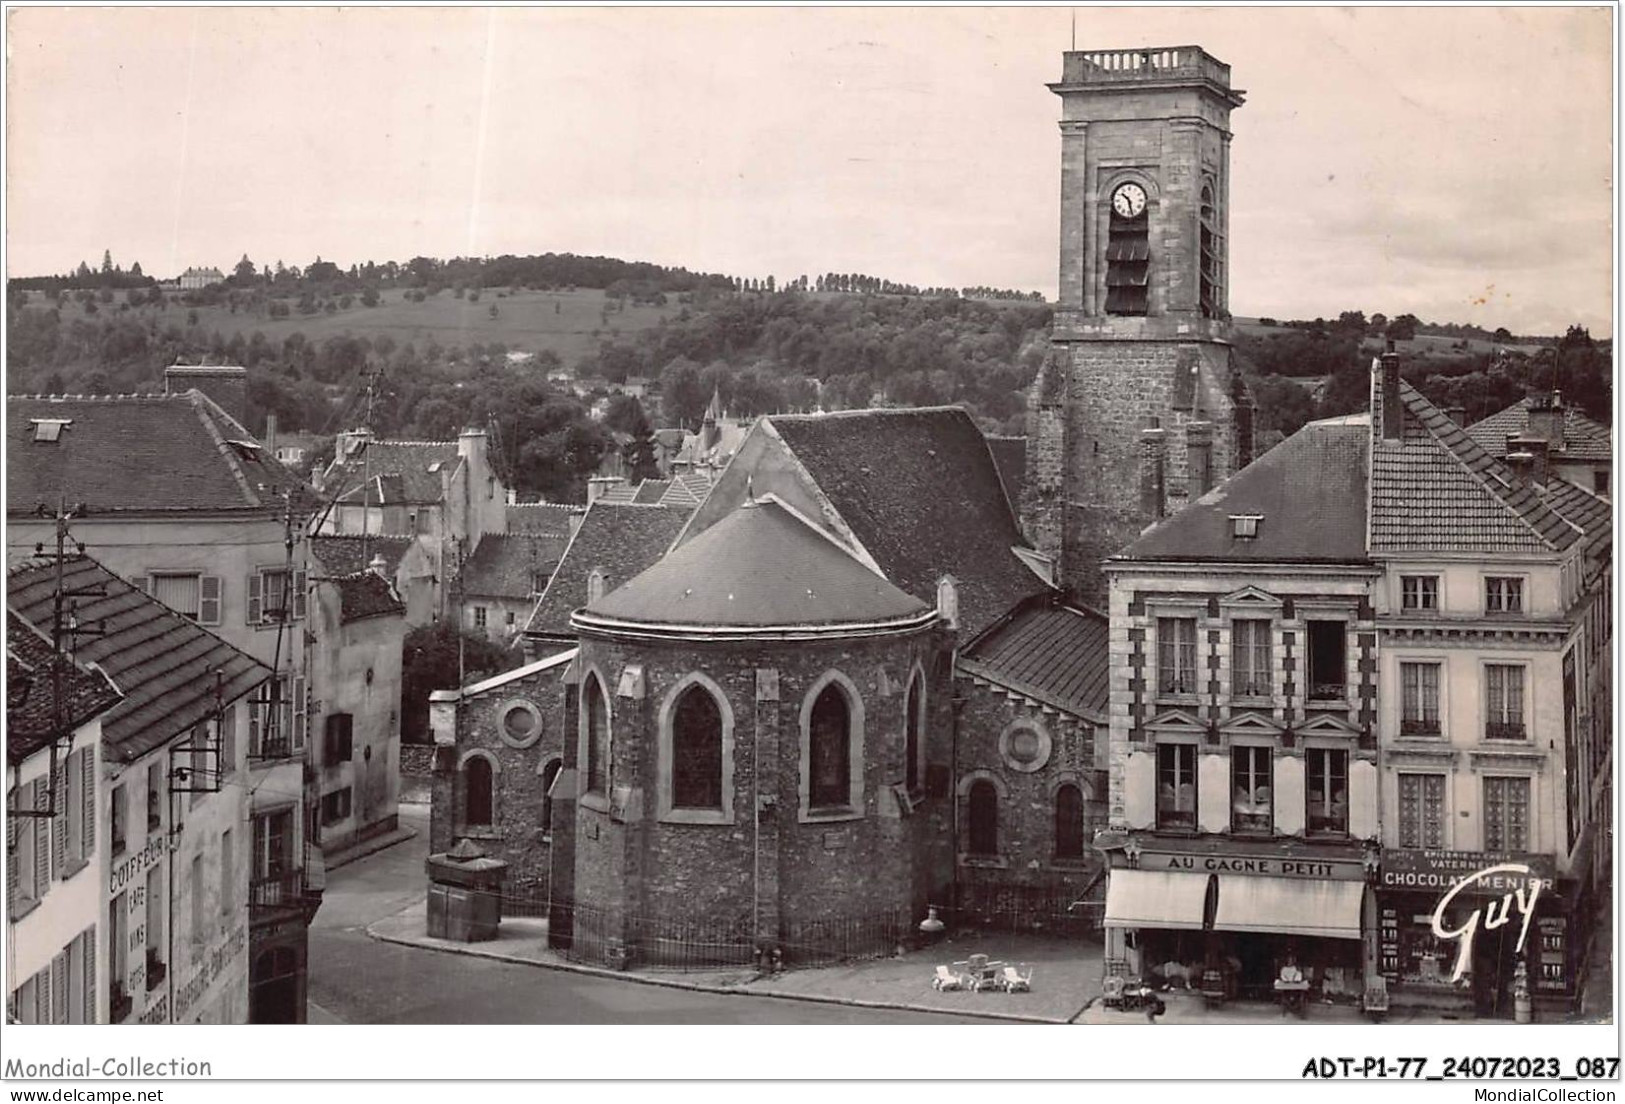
(622, 540)
(364, 595)
(341, 554)
(139, 453)
(1437, 490)
(1310, 491)
(31, 674)
(543, 518)
(760, 566)
(687, 490)
(165, 665)
(506, 565)
(1580, 507)
(1010, 456)
(1046, 650)
(411, 461)
(621, 492)
(650, 491)
(920, 490)
(1583, 438)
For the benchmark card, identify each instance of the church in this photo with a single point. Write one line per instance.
(868, 678)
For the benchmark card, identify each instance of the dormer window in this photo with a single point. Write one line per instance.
(1245, 526)
(49, 430)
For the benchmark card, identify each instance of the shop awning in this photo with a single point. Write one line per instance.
(1155, 899)
(1289, 906)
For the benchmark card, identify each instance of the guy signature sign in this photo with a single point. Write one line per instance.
(1525, 893)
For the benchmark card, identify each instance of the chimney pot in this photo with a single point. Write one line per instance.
(1153, 491)
(1393, 410)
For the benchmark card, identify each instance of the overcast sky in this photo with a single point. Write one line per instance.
(1454, 163)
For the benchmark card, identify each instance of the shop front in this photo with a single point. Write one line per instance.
(1463, 931)
(1234, 918)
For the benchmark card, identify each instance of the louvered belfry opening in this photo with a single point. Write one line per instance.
(1128, 265)
(1210, 287)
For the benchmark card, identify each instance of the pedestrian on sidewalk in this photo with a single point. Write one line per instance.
(1154, 1008)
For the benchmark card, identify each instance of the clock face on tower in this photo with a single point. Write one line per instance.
(1128, 200)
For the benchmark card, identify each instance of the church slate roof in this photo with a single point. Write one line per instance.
(687, 490)
(124, 454)
(506, 565)
(921, 492)
(31, 673)
(762, 566)
(1583, 438)
(650, 491)
(1310, 491)
(1010, 456)
(621, 539)
(165, 665)
(1049, 651)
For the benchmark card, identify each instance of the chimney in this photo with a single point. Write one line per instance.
(1546, 418)
(1527, 456)
(1153, 449)
(471, 446)
(1457, 414)
(378, 567)
(1199, 457)
(270, 434)
(1393, 411)
(513, 496)
(227, 385)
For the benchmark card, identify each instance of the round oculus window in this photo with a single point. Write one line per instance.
(519, 723)
(1025, 746)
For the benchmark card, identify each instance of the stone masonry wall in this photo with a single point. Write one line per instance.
(1026, 862)
(891, 858)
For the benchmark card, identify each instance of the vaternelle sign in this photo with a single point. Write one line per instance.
(1444, 870)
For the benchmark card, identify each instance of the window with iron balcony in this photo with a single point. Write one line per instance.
(1251, 670)
(1176, 786)
(1504, 702)
(1419, 592)
(1327, 797)
(1252, 809)
(1419, 699)
(1503, 594)
(1328, 660)
(1176, 655)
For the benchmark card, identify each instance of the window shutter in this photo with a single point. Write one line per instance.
(92, 1013)
(298, 595)
(87, 792)
(209, 593)
(13, 875)
(253, 588)
(59, 820)
(42, 843)
(59, 987)
(254, 722)
(297, 704)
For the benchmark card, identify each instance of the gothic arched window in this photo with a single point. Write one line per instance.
(696, 751)
(983, 815)
(1069, 826)
(477, 793)
(829, 750)
(596, 713)
(914, 732)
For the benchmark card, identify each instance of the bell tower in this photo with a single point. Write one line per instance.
(1138, 408)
